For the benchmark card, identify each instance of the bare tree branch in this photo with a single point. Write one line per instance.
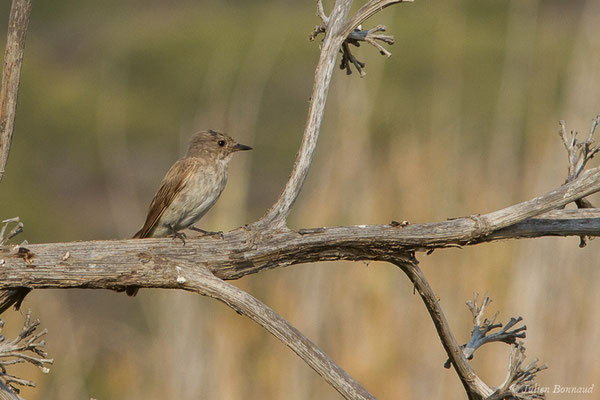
(275, 218)
(18, 228)
(519, 383)
(579, 154)
(26, 347)
(367, 11)
(202, 281)
(13, 58)
(164, 263)
(483, 326)
(474, 386)
(357, 34)
(116, 264)
(337, 27)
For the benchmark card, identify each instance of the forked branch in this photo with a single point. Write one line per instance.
(483, 326)
(337, 27)
(14, 231)
(26, 347)
(275, 218)
(579, 154)
(356, 34)
(520, 379)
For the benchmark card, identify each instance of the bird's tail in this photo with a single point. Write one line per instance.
(12, 297)
(139, 234)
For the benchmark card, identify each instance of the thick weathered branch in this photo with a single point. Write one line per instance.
(167, 264)
(13, 58)
(149, 262)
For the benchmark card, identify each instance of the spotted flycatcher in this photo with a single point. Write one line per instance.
(190, 188)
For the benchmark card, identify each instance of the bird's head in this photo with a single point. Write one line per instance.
(213, 144)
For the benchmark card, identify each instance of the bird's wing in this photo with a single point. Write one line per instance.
(175, 180)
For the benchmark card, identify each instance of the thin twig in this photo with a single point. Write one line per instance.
(25, 347)
(579, 153)
(13, 58)
(370, 36)
(18, 228)
(482, 328)
(321, 13)
(520, 380)
(474, 386)
(367, 11)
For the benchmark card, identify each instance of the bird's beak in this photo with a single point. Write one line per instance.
(238, 147)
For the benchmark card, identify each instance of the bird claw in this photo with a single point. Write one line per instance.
(179, 235)
(207, 233)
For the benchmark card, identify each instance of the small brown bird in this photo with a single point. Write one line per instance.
(190, 188)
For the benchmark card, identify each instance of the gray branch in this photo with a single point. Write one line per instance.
(275, 218)
(13, 58)
(579, 153)
(474, 386)
(357, 35)
(26, 347)
(115, 264)
(483, 326)
(18, 228)
(519, 383)
(338, 26)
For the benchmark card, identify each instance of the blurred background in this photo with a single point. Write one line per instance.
(462, 119)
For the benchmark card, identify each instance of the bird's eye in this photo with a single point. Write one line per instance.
(221, 143)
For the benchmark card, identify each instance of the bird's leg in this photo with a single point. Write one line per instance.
(207, 233)
(178, 235)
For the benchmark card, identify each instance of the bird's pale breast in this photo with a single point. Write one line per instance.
(195, 199)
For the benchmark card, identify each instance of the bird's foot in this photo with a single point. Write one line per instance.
(207, 233)
(179, 235)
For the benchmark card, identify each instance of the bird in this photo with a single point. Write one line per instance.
(190, 188)
(12, 297)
